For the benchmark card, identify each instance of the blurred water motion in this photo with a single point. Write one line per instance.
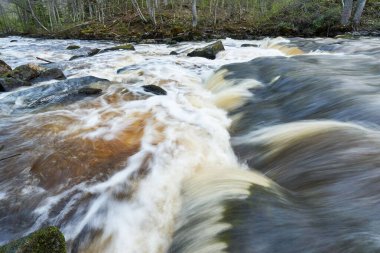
(274, 148)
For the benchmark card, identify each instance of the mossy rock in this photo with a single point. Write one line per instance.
(72, 47)
(349, 36)
(45, 240)
(121, 47)
(27, 72)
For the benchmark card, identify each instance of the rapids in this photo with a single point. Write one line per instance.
(268, 148)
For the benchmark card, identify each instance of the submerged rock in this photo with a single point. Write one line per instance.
(10, 83)
(89, 91)
(121, 47)
(45, 240)
(174, 53)
(44, 95)
(209, 51)
(249, 45)
(13, 41)
(4, 68)
(154, 89)
(72, 47)
(85, 52)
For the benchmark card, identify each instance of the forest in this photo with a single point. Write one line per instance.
(188, 19)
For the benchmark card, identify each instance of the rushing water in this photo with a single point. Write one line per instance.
(272, 148)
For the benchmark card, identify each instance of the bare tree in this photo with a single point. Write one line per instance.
(194, 12)
(346, 13)
(359, 11)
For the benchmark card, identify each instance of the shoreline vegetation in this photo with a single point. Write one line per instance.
(153, 21)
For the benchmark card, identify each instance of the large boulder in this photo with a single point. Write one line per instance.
(36, 73)
(72, 47)
(27, 72)
(10, 83)
(121, 47)
(209, 51)
(4, 68)
(45, 240)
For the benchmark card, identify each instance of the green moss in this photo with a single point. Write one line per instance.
(124, 47)
(121, 47)
(45, 240)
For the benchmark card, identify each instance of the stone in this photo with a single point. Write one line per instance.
(89, 91)
(154, 89)
(27, 72)
(174, 53)
(85, 52)
(169, 41)
(4, 68)
(209, 51)
(10, 83)
(45, 240)
(249, 45)
(50, 74)
(72, 47)
(148, 41)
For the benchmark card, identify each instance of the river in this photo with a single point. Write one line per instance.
(271, 147)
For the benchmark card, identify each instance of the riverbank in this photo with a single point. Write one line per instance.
(297, 20)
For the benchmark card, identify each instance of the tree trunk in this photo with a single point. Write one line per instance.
(346, 13)
(136, 6)
(35, 17)
(359, 11)
(194, 11)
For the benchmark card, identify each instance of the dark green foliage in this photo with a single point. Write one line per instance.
(109, 19)
(45, 240)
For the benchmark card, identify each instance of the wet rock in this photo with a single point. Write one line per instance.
(85, 52)
(148, 41)
(50, 74)
(174, 53)
(121, 47)
(209, 51)
(72, 47)
(89, 91)
(154, 89)
(10, 83)
(45, 95)
(45, 240)
(169, 41)
(249, 45)
(27, 72)
(13, 41)
(4, 68)
(93, 52)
